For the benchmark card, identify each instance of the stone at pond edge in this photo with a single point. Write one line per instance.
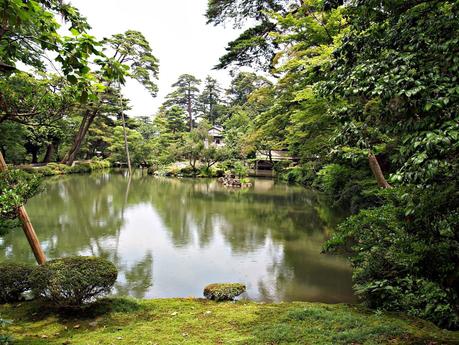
(224, 292)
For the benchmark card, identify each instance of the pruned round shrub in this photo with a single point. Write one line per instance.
(73, 281)
(223, 292)
(14, 280)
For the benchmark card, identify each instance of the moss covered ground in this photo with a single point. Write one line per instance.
(195, 321)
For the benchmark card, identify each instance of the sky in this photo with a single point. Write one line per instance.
(178, 35)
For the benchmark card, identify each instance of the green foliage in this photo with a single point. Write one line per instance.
(331, 178)
(7, 225)
(58, 169)
(185, 95)
(74, 281)
(210, 102)
(14, 280)
(223, 292)
(134, 54)
(396, 268)
(138, 149)
(11, 142)
(303, 174)
(5, 339)
(235, 167)
(16, 187)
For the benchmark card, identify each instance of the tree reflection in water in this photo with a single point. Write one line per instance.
(170, 237)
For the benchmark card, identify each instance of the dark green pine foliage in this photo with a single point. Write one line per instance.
(210, 101)
(185, 95)
(255, 46)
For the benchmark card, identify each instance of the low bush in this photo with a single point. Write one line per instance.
(58, 169)
(14, 280)
(99, 164)
(405, 262)
(223, 292)
(332, 177)
(74, 281)
(81, 168)
(45, 171)
(303, 174)
(188, 171)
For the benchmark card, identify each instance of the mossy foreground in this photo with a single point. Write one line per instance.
(194, 321)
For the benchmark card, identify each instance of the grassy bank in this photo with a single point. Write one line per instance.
(53, 169)
(193, 321)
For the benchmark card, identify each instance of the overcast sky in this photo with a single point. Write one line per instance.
(177, 32)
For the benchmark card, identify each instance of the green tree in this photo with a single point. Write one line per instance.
(395, 76)
(131, 57)
(210, 102)
(137, 146)
(186, 95)
(243, 85)
(175, 121)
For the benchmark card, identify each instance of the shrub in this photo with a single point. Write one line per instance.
(303, 174)
(58, 169)
(240, 169)
(73, 281)
(358, 194)
(405, 263)
(223, 292)
(81, 168)
(87, 167)
(14, 280)
(99, 164)
(331, 178)
(187, 171)
(45, 171)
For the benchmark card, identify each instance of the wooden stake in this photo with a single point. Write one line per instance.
(27, 226)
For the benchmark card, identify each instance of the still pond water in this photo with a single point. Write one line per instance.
(171, 237)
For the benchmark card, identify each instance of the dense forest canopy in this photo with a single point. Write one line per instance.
(364, 95)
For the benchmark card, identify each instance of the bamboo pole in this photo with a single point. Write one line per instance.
(27, 226)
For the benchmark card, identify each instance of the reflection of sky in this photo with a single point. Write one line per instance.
(184, 271)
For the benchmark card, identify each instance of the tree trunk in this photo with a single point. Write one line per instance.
(71, 155)
(50, 149)
(29, 231)
(377, 172)
(34, 156)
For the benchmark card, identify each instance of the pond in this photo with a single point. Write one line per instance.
(171, 237)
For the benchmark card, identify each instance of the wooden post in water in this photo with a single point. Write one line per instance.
(27, 225)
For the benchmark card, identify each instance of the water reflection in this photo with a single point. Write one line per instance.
(171, 237)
